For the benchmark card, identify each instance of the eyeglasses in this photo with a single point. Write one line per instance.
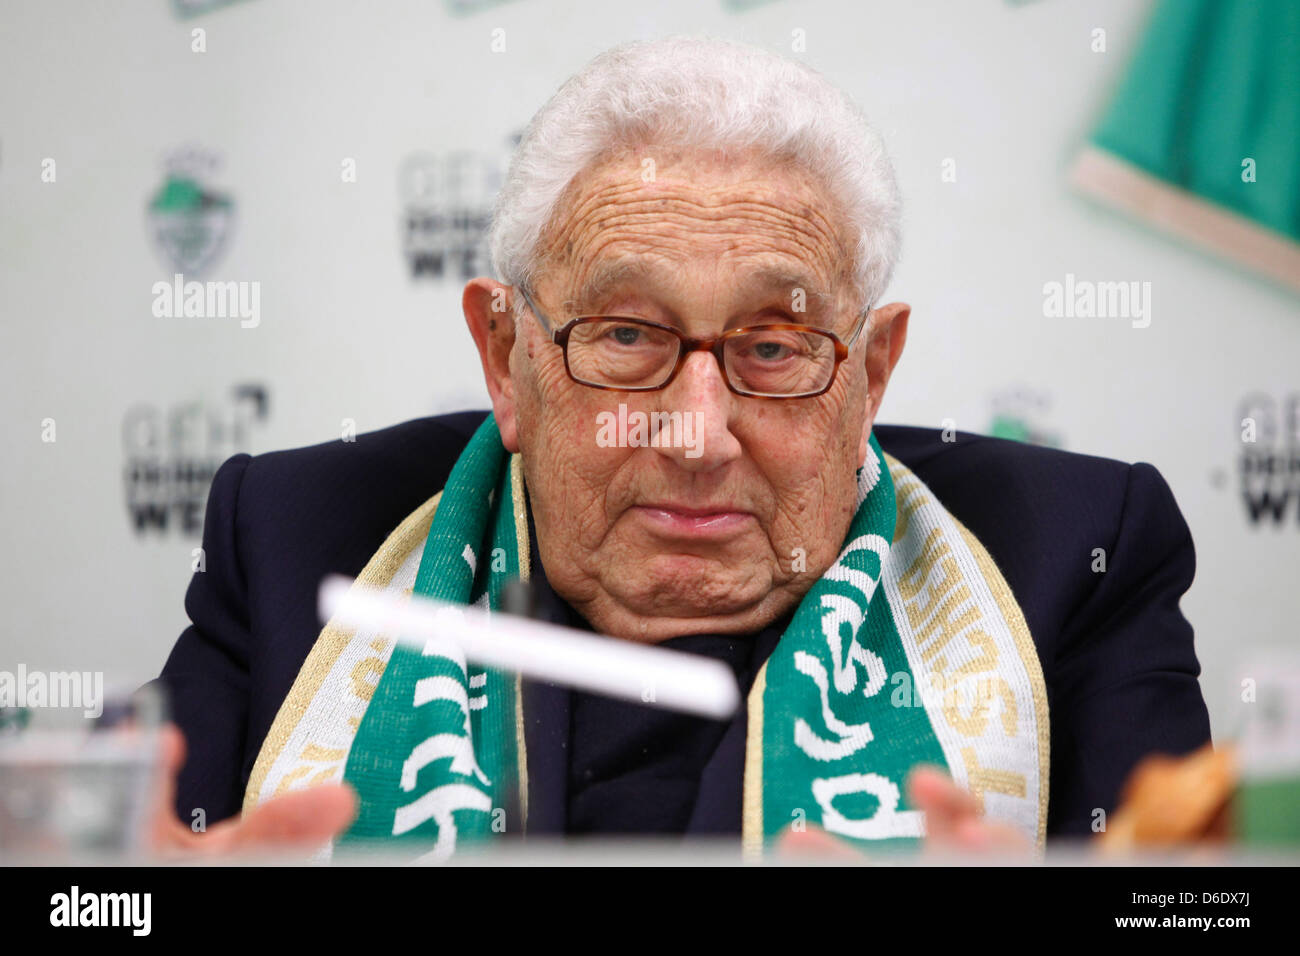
(629, 354)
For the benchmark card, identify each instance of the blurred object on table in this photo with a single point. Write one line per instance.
(73, 781)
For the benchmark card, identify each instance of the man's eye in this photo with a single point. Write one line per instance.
(625, 334)
(771, 351)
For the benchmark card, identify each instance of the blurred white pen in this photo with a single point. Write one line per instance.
(538, 650)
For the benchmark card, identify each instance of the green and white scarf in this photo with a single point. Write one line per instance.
(910, 649)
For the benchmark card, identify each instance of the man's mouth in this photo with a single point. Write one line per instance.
(681, 521)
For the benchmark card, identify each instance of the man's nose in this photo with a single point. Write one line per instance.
(703, 439)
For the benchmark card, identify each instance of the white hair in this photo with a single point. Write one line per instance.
(700, 92)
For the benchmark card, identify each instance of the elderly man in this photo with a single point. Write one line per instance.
(686, 350)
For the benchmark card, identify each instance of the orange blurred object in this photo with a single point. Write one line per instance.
(1169, 801)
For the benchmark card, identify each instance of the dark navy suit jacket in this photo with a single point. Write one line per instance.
(1116, 652)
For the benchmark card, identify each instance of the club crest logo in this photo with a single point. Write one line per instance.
(190, 220)
(184, 9)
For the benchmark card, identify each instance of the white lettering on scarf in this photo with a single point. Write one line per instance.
(838, 610)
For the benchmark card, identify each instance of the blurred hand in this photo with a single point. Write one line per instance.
(300, 820)
(953, 823)
(1175, 801)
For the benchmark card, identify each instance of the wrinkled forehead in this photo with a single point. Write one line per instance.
(646, 218)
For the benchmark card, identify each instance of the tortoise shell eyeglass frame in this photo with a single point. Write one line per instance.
(688, 344)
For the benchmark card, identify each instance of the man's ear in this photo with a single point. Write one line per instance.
(885, 340)
(488, 313)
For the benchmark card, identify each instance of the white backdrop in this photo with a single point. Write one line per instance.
(285, 93)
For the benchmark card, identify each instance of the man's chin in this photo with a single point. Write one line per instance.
(676, 595)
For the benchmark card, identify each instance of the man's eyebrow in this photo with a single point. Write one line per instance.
(790, 281)
(607, 276)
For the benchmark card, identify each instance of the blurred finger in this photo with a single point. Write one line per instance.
(944, 804)
(813, 842)
(302, 819)
(166, 832)
(980, 836)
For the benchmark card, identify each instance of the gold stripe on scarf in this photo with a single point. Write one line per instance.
(518, 501)
(1019, 628)
(751, 826)
(378, 572)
